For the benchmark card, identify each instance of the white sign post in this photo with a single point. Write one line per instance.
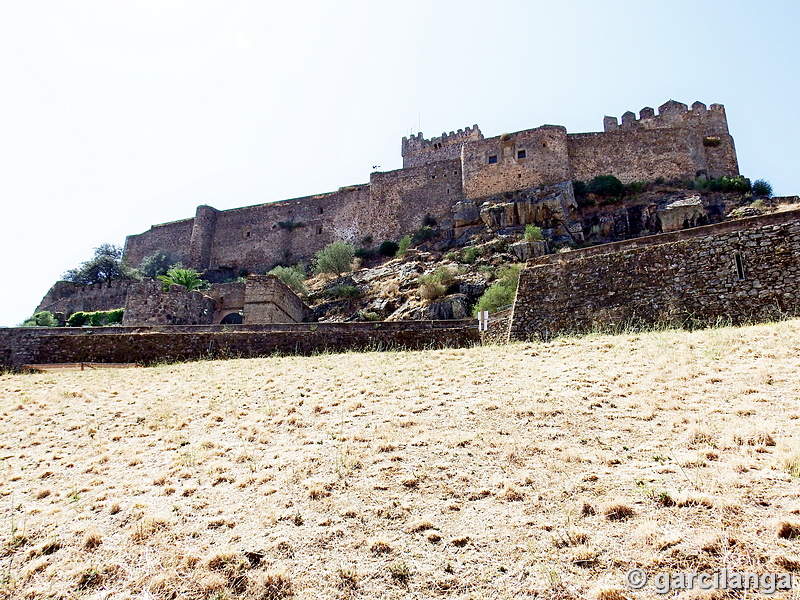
(483, 320)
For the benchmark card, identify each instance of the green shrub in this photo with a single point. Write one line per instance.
(343, 291)
(77, 319)
(501, 292)
(423, 234)
(388, 248)
(98, 318)
(533, 233)
(294, 277)
(188, 278)
(429, 221)
(635, 187)
(435, 284)
(363, 253)
(369, 315)
(737, 184)
(762, 188)
(115, 316)
(335, 259)
(470, 254)
(403, 245)
(41, 319)
(606, 186)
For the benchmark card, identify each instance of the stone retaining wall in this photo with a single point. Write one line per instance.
(739, 271)
(146, 345)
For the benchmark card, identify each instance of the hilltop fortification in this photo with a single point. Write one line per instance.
(444, 178)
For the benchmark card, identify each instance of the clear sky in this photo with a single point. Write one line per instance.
(118, 115)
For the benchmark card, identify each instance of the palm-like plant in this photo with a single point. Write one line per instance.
(188, 278)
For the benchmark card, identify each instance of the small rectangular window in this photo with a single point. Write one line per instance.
(492, 159)
(319, 230)
(321, 210)
(739, 266)
(520, 154)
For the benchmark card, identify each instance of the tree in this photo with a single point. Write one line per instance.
(158, 263)
(41, 319)
(106, 265)
(336, 259)
(294, 277)
(188, 278)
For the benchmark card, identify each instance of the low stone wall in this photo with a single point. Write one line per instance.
(741, 271)
(268, 300)
(146, 345)
(497, 328)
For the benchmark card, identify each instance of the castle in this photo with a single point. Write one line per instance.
(444, 178)
(671, 261)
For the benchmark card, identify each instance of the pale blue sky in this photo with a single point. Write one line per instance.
(118, 115)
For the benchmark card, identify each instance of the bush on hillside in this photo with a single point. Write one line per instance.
(433, 285)
(762, 188)
(335, 259)
(294, 277)
(606, 186)
(388, 248)
(502, 291)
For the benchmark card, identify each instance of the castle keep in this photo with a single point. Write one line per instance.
(446, 179)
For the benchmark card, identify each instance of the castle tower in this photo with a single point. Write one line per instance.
(205, 222)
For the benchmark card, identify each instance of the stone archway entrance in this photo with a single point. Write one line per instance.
(233, 318)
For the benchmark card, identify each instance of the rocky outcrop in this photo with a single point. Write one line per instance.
(553, 208)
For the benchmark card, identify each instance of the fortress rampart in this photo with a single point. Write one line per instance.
(439, 176)
(739, 271)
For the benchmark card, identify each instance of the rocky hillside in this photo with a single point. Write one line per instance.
(490, 237)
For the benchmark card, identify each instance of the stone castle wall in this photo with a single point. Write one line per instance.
(747, 270)
(67, 297)
(438, 175)
(515, 161)
(174, 238)
(149, 304)
(676, 143)
(418, 151)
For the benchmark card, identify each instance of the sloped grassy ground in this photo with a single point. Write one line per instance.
(529, 470)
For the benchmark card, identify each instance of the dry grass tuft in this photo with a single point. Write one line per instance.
(380, 547)
(92, 539)
(511, 494)
(618, 512)
(348, 578)
(146, 527)
(269, 586)
(788, 563)
(587, 510)
(317, 491)
(787, 530)
(610, 594)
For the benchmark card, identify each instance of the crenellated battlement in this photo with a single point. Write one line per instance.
(417, 150)
(671, 114)
(673, 141)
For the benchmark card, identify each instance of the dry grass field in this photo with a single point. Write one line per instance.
(526, 471)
